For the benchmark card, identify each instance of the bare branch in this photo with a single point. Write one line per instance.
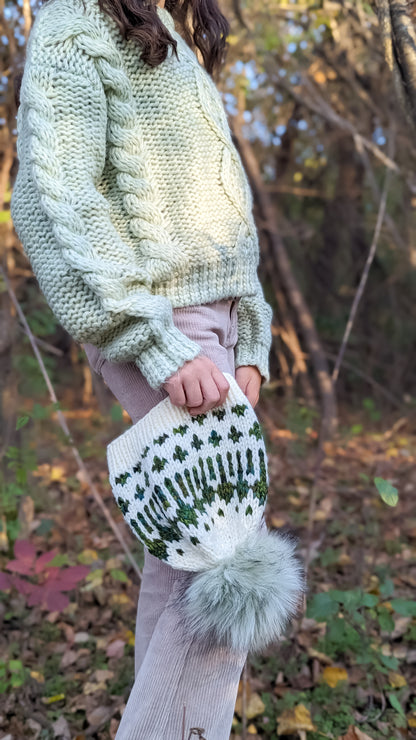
(64, 426)
(365, 273)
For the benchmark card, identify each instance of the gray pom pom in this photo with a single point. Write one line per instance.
(246, 601)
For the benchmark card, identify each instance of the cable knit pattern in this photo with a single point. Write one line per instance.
(130, 197)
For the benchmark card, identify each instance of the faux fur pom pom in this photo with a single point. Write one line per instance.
(246, 601)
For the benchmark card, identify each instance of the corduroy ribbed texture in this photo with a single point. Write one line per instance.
(130, 197)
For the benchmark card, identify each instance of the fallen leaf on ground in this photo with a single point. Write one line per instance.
(92, 688)
(61, 729)
(99, 715)
(115, 649)
(354, 733)
(69, 657)
(39, 677)
(319, 656)
(294, 720)
(255, 706)
(396, 680)
(333, 675)
(102, 674)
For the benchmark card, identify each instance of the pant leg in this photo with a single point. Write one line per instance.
(178, 675)
(214, 327)
(172, 672)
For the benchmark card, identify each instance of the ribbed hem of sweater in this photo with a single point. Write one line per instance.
(161, 360)
(209, 282)
(206, 283)
(257, 355)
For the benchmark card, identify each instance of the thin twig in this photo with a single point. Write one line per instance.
(374, 383)
(360, 290)
(45, 345)
(365, 273)
(315, 102)
(312, 502)
(64, 426)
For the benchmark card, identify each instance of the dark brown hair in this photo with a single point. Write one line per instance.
(201, 21)
(138, 20)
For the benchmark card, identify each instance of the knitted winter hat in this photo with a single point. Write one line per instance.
(193, 490)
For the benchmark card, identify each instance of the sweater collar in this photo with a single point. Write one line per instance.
(165, 17)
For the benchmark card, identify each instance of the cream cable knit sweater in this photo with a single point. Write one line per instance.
(130, 197)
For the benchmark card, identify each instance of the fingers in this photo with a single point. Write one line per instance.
(249, 380)
(214, 387)
(253, 397)
(199, 385)
(193, 392)
(176, 390)
(211, 396)
(222, 384)
(252, 392)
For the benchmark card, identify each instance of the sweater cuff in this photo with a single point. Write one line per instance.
(257, 355)
(161, 360)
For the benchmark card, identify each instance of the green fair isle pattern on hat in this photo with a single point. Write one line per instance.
(190, 487)
(193, 490)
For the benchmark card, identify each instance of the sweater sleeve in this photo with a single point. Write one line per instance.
(254, 317)
(68, 232)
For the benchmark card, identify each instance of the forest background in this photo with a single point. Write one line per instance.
(321, 99)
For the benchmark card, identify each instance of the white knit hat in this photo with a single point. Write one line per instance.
(193, 490)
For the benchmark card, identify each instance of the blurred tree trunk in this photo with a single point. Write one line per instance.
(344, 243)
(397, 20)
(288, 281)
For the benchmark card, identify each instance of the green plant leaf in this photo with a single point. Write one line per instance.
(22, 421)
(396, 704)
(385, 620)
(387, 588)
(116, 412)
(15, 665)
(119, 575)
(404, 607)
(370, 600)
(39, 411)
(389, 661)
(321, 607)
(60, 559)
(350, 600)
(387, 491)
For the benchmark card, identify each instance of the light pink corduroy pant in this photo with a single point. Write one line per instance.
(171, 674)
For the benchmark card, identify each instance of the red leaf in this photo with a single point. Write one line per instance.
(44, 559)
(74, 574)
(25, 550)
(56, 602)
(5, 581)
(23, 587)
(36, 595)
(52, 576)
(20, 566)
(68, 578)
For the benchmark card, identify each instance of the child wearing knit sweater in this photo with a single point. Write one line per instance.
(135, 212)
